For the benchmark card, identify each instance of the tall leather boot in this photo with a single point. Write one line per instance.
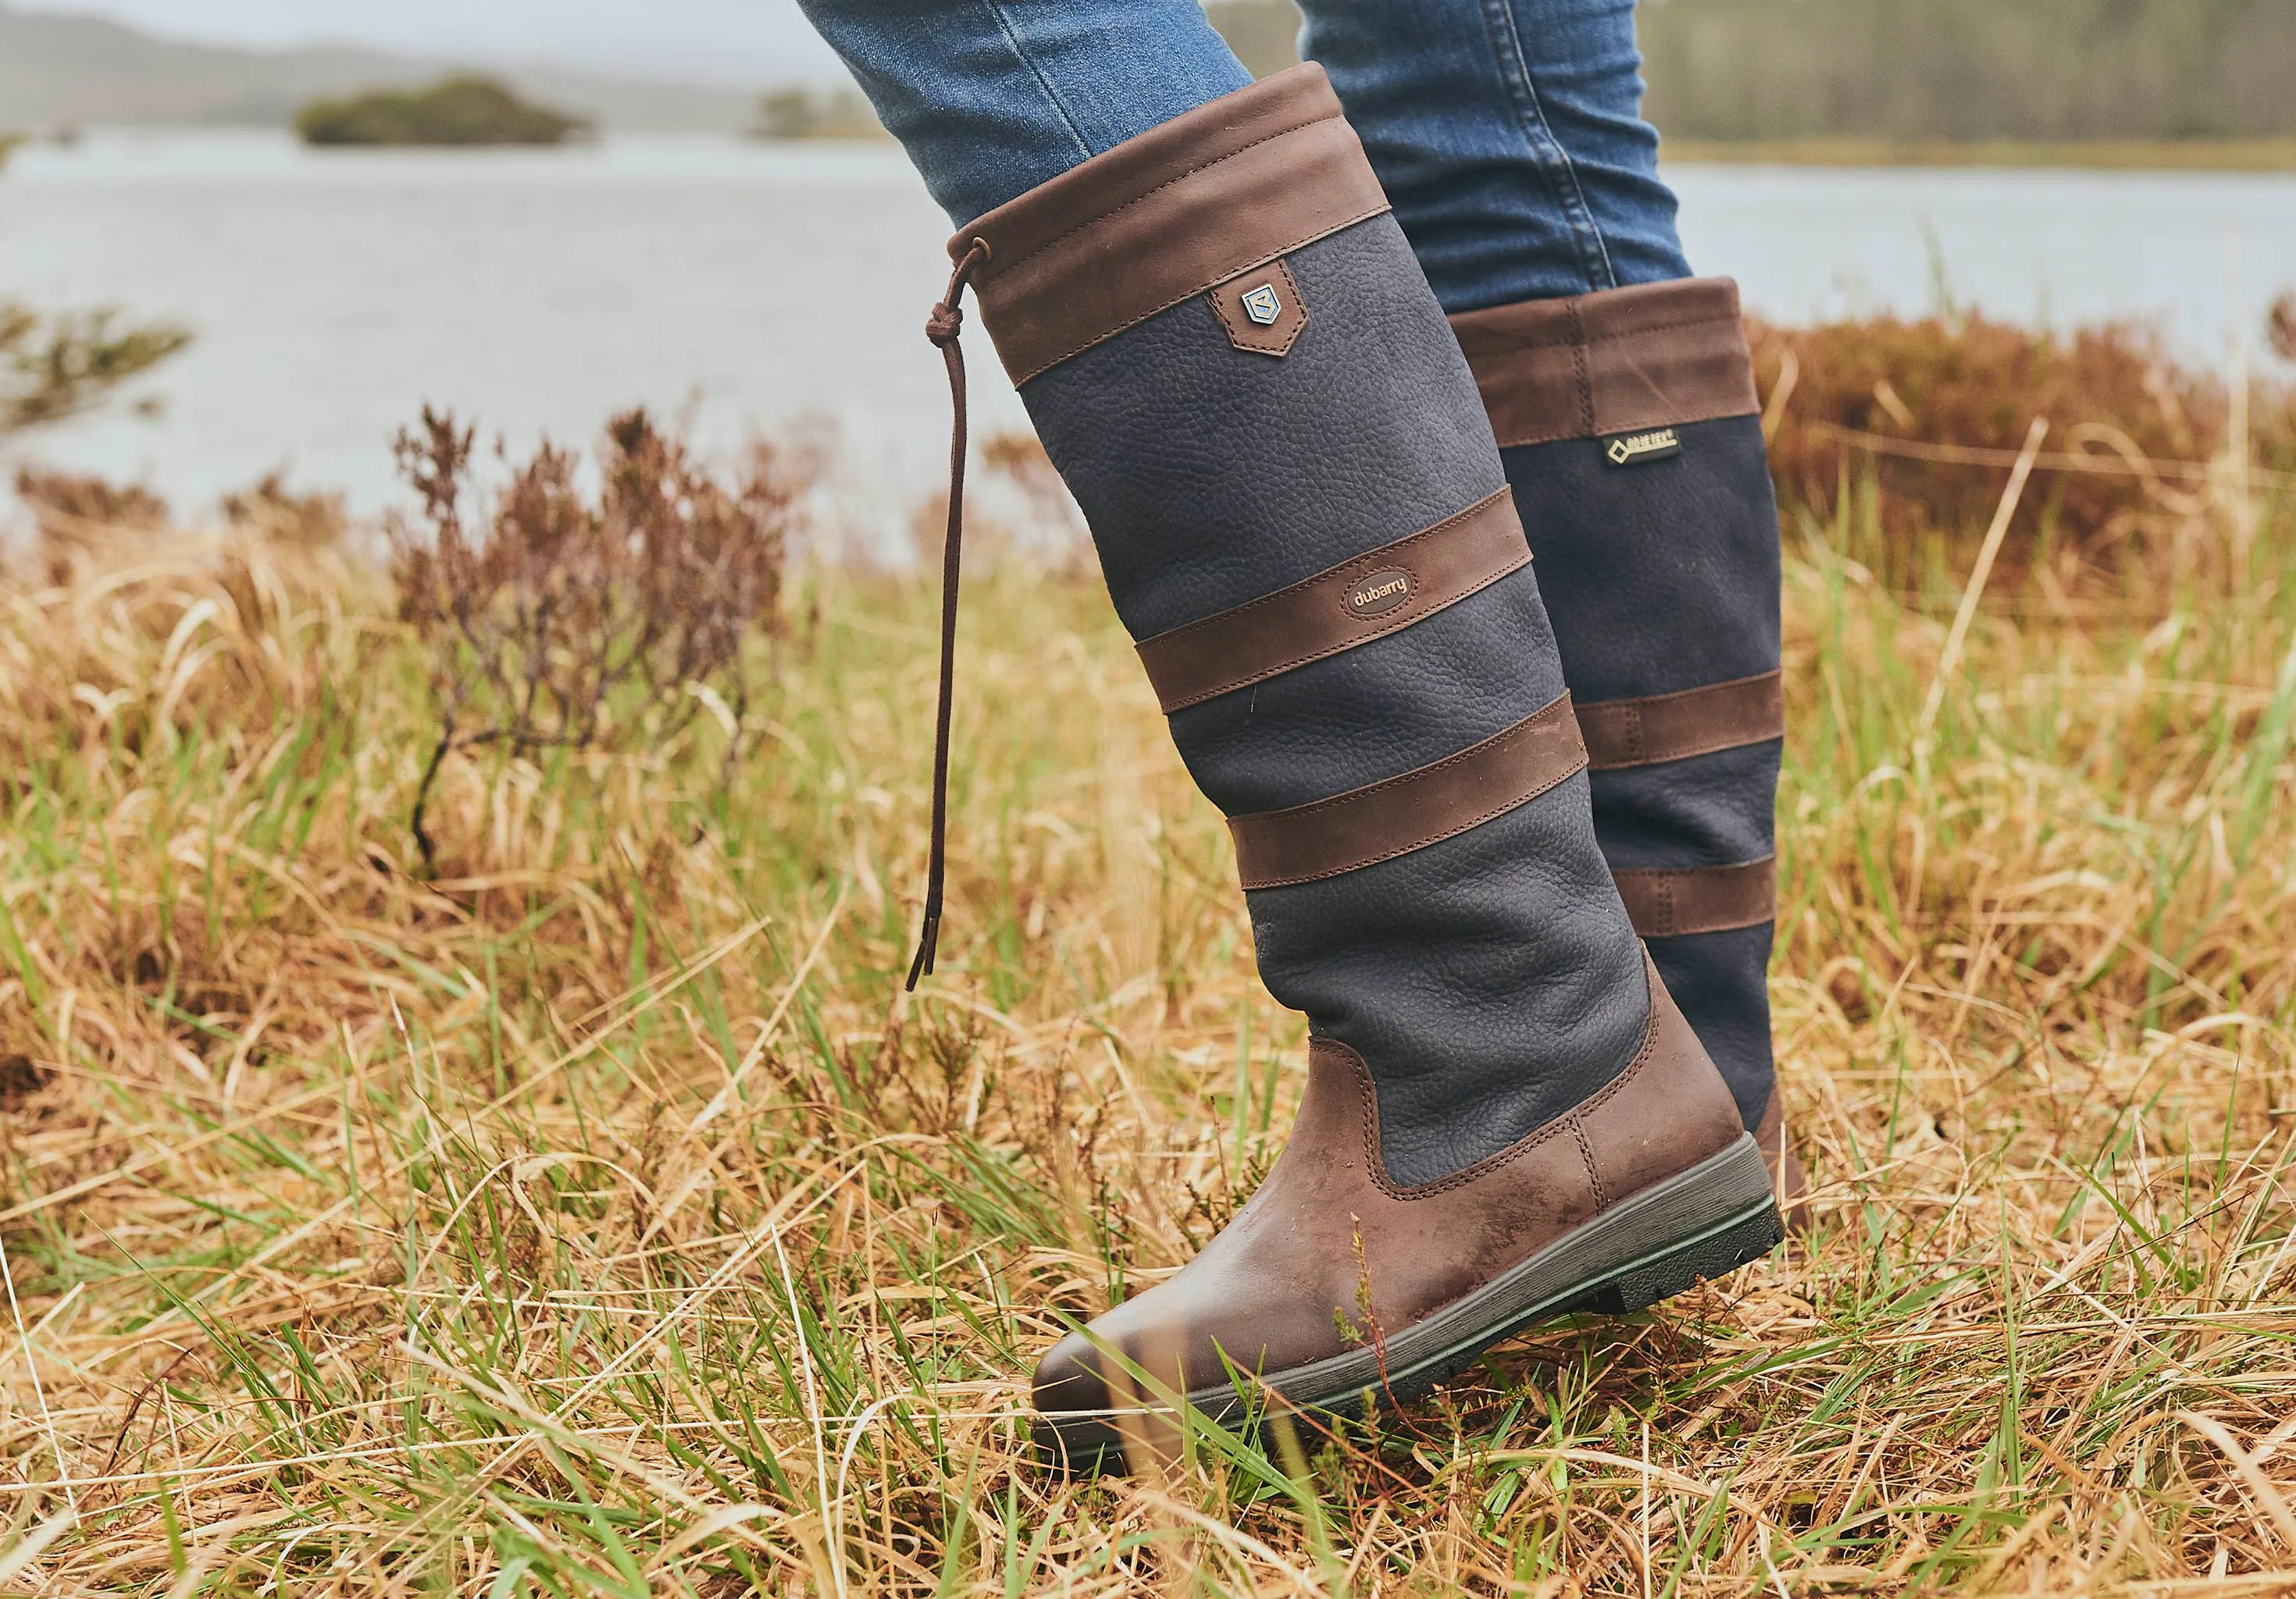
(1235, 364)
(1631, 432)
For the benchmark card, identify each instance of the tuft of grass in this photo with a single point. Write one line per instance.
(604, 1220)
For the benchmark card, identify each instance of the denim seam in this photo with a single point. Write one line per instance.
(1547, 153)
(1051, 96)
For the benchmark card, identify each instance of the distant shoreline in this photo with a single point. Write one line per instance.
(2098, 155)
(2117, 155)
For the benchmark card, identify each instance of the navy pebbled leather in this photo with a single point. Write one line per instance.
(1490, 981)
(1659, 578)
(1210, 475)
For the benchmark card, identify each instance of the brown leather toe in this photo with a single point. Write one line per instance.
(1330, 1260)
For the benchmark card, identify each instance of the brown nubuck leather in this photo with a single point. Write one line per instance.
(1331, 1258)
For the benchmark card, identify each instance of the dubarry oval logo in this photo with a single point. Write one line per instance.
(1379, 593)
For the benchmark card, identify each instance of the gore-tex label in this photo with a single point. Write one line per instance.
(1633, 449)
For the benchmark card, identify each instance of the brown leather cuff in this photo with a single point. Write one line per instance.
(1390, 588)
(1383, 820)
(1214, 193)
(1622, 733)
(1668, 905)
(1620, 362)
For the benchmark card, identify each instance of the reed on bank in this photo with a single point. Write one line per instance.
(597, 1216)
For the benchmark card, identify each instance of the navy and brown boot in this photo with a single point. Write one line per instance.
(1233, 360)
(1631, 432)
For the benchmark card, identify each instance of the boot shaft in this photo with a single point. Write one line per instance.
(1233, 359)
(1629, 427)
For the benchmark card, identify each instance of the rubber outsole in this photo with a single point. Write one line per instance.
(1698, 1226)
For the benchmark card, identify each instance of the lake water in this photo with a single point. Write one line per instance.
(333, 295)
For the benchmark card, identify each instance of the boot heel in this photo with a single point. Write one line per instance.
(1702, 1260)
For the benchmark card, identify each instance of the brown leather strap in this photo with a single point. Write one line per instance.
(1665, 905)
(1391, 587)
(1621, 361)
(1217, 190)
(1380, 822)
(1698, 721)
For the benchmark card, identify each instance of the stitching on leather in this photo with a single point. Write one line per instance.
(1367, 1091)
(1380, 555)
(1586, 375)
(1381, 210)
(1515, 441)
(1523, 727)
(1432, 840)
(1631, 719)
(1401, 621)
(1664, 881)
(1236, 335)
(1586, 1153)
(1691, 693)
(1146, 194)
(1552, 712)
(1536, 343)
(1367, 1087)
(1386, 554)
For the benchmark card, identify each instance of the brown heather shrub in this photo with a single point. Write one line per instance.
(66, 503)
(79, 520)
(557, 620)
(268, 509)
(54, 367)
(2280, 327)
(2151, 427)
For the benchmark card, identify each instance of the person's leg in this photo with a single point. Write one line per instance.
(1509, 134)
(990, 98)
(1235, 364)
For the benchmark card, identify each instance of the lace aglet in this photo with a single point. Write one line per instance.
(926, 944)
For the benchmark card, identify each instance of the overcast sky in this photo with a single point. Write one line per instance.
(734, 41)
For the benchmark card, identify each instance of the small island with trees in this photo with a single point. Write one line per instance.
(458, 111)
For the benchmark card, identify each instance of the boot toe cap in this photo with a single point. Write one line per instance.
(1075, 1431)
(1069, 1379)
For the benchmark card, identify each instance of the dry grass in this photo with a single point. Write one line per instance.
(604, 1220)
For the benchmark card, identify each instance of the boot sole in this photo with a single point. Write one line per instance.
(1697, 1225)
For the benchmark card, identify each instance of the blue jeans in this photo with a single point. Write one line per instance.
(1507, 133)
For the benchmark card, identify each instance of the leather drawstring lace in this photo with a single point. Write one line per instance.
(943, 327)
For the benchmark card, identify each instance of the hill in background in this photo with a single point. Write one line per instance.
(1972, 69)
(58, 71)
(1728, 71)
(1921, 70)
